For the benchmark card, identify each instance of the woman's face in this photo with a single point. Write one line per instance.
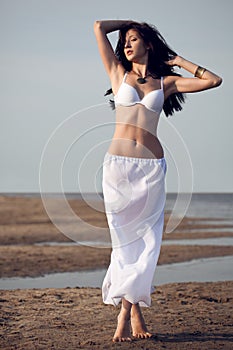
(135, 48)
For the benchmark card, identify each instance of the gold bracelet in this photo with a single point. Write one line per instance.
(199, 72)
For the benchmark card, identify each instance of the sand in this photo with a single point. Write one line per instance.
(186, 315)
(183, 315)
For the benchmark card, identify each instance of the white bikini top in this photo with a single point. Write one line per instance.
(127, 95)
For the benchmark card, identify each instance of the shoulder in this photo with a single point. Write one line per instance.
(170, 84)
(170, 79)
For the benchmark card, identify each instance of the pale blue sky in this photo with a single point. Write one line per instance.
(50, 69)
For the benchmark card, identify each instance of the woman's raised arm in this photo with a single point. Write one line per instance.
(101, 29)
(203, 78)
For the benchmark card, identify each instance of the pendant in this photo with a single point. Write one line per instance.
(141, 80)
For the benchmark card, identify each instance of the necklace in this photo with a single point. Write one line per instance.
(141, 80)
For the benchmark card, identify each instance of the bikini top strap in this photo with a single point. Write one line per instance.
(161, 79)
(124, 79)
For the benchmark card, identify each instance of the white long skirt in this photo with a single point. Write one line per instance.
(134, 197)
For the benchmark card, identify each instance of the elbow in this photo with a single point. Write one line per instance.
(97, 25)
(217, 82)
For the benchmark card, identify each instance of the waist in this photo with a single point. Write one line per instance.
(133, 146)
(136, 133)
(133, 159)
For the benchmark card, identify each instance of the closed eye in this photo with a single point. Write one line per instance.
(130, 39)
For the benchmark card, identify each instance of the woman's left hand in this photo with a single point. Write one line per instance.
(174, 61)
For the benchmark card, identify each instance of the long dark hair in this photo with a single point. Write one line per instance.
(159, 53)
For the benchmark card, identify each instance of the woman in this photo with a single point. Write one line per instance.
(143, 83)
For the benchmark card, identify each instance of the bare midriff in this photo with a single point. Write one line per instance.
(136, 133)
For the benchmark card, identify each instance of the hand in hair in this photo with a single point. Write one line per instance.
(174, 61)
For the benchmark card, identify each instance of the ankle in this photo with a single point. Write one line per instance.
(124, 314)
(126, 308)
(135, 312)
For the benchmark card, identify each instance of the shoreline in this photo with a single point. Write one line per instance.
(197, 270)
(35, 261)
(24, 223)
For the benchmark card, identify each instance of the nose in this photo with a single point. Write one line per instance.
(127, 44)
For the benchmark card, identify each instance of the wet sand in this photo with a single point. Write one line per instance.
(195, 315)
(32, 261)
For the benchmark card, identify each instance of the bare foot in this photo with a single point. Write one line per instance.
(138, 324)
(123, 329)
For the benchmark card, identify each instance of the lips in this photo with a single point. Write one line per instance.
(129, 52)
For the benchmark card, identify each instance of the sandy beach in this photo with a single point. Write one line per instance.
(183, 315)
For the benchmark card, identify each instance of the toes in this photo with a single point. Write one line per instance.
(126, 339)
(143, 335)
(149, 335)
(119, 339)
(116, 340)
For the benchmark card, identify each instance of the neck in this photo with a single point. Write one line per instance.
(139, 69)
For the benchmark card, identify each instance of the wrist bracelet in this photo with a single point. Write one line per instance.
(199, 72)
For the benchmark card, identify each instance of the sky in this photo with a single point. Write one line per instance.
(56, 123)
